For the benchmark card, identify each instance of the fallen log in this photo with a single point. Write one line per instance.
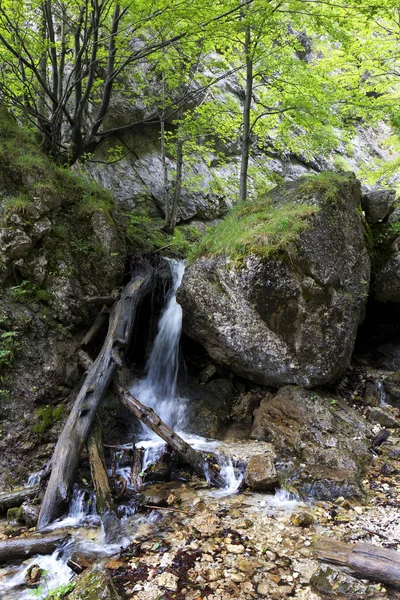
(77, 428)
(98, 470)
(21, 548)
(364, 560)
(147, 416)
(17, 497)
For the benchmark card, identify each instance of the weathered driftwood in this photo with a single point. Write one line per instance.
(21, 548)
(364, 560)
(98, 470)
(17, 497)
(136, 467)
(147, 416)
(79, 423)
(107, 300)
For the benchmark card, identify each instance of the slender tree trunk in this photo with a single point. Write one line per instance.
(166, 196)
(173, 216)
(246, 118)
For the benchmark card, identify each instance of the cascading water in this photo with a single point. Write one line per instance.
(158, 389)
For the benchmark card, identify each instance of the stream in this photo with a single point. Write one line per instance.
(236, 544)
(157, 390)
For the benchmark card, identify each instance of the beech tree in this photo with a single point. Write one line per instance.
(63, 61)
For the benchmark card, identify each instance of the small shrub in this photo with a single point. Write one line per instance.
(144, 233)
(341, 164)
(9, 345)
(29, 292)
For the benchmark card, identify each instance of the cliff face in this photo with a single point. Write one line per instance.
(61, 241)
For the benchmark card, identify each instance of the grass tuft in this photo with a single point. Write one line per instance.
(326, 184)
(258, 227)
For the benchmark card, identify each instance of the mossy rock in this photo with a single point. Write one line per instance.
(95, 584)
(14, 514)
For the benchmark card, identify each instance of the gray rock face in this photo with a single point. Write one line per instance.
(384, 417)
(319, 440)
(386, 283)
(377, 204)
(290, 319)
(331, 582)
(391, 386)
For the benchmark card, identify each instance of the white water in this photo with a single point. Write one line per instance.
(382, 395)
(158, 389)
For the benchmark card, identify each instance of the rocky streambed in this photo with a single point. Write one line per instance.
(192, 542)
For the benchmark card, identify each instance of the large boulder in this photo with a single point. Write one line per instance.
(289, 317)
(321, 442)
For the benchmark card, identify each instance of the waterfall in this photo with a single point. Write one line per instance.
(158, 389)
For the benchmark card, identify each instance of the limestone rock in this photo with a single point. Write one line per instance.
(386, 281)
(95, 584)
(210, 405)
(302, 519)
(261, 475)
(391, 386)
(331, 582)
(277, 321)
(384, 417)
(377, 204)
(371, 394)
(14, 243)
(243, 409)
(321, 442)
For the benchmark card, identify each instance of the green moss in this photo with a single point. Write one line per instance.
(46, 417)
(258, 227)
(14, 514)
(326, 184)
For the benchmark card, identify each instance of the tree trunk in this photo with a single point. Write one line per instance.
(365, 560)
(244, 165)
(77, 428)
(24, 547)
(17, 497)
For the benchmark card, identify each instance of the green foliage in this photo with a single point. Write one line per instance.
(144, 233)
(326, 184)
(9, 346)
(182, 241)
(341, 164)
(46, 416)
(258, 227)
(62, 591)
(29, 292)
